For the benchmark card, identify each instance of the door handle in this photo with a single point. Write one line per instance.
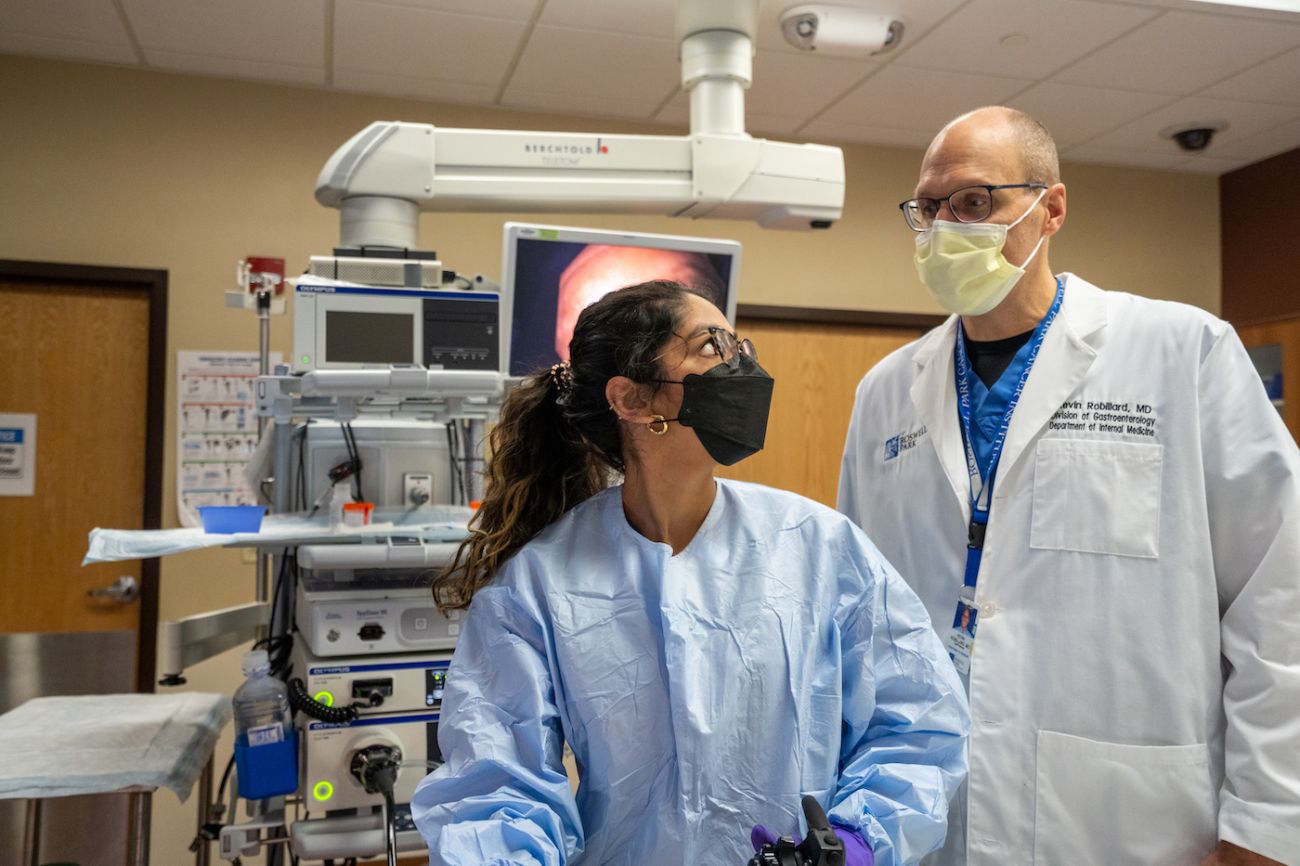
(124, 590)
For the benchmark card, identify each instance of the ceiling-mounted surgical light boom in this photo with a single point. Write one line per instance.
(385, 175)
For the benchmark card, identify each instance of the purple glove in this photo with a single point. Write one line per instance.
(856, 850)
(760, 836)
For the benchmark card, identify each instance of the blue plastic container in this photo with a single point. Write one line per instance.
(266, 743)
(229, 519)
(267, 770)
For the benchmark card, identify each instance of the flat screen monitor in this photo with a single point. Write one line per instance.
(550, 273)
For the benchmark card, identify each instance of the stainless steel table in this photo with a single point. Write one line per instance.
(105, 744)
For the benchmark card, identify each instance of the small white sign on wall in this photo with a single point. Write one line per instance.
(17, 455)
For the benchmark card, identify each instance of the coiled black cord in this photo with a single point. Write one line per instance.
(309, 706)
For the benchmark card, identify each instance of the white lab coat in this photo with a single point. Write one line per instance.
(1135, 682)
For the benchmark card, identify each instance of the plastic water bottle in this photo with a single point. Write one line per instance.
(266, 743)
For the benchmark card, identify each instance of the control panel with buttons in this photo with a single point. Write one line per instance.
(351, 622)
(380, 683)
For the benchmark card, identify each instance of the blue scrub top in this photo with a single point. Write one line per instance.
(988, 405)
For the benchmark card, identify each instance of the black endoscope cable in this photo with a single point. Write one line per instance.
(309, 706)
(376, 767)
(354, 455)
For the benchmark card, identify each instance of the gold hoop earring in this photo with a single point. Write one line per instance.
(658, 425)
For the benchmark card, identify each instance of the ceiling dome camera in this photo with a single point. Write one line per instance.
(1194, 139)
(840, 31)
(1193, 136)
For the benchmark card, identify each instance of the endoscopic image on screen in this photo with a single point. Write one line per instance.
(555, 280)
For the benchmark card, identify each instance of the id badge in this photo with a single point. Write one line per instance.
(961, 638)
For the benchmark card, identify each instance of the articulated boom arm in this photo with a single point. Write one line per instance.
(413, 167)
(391, 171)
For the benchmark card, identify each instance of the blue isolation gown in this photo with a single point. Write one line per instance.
(777, 655)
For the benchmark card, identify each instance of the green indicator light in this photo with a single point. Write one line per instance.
(306, 359)
(325, 698)
(323, 791)
(548, 235)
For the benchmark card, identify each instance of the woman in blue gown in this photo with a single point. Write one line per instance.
(710, 650)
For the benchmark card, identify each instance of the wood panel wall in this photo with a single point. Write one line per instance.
(1287, 335)
(817, 367)
(1259, 222)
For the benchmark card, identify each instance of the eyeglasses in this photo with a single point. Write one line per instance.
(730, 348)
(725, 345)
(969, 204)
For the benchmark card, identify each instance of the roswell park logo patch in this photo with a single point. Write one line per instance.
(896, 445)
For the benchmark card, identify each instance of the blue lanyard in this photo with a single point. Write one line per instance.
(981, 488)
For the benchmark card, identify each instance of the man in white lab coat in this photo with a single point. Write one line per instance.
(1103, 480)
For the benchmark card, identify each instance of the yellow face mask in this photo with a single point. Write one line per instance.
(963, 266)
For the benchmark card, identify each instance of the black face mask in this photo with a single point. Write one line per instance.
(727, 407)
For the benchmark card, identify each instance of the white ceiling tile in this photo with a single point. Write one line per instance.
(790, 85)
(918, 16)
(618, 58)
(608, 65)
(1181, 52)
(511, 10)
(1200, 164)
(1244, 119)
(67, 49)
(1022, 40)
(1090, 153)
(1276, 80)
(678, 110)
(862, 133)
(227, 67)
(1074, 114)
(921, 100)
(656, 20)
(1282, 10)
(423, 89)
(1279, 139)
(286, 31)
(87, 21)
(774, 124)
(382, 39)
(581, 104)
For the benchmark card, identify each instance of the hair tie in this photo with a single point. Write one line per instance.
(562, 380)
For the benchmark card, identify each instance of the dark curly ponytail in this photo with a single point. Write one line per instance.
(557, 441)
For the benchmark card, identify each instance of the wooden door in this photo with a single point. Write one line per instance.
(817, 367)
(84, 352)
(77, 359)
(1285, 334)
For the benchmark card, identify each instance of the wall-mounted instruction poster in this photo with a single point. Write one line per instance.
(217, 423)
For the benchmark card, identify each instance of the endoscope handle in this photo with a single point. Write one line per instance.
(783, 853)
(813, 814)
(821, 847)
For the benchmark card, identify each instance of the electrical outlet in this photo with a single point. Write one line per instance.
(417, 488)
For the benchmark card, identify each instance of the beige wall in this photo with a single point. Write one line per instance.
(110, 166)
